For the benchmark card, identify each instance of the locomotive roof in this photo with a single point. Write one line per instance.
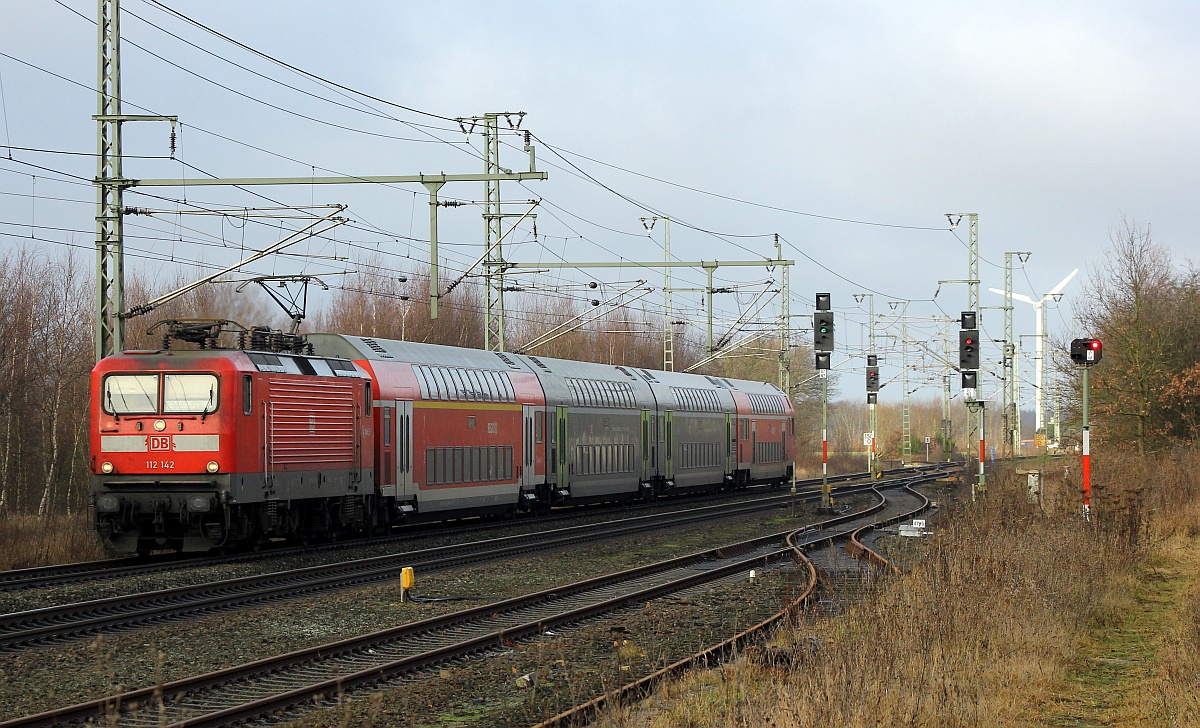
(263, 361)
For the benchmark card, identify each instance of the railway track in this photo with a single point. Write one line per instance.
(82, 572)
(277, 689)
(639, 689)
(21, 630)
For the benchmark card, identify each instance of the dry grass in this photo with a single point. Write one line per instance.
(27, 541)
(1177, 682)
(1002, 623)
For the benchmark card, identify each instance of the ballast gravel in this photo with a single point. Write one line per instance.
(44, 678)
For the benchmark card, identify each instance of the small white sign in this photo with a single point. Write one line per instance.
(927, 440)
(866, 439)
(970, 394)
(918, 523)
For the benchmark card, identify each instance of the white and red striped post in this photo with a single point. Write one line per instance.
(872, 468)
(826, 495)
(1087, 452)
(824, 453)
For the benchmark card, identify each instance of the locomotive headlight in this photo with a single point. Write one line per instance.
(160, 425)
(108, 503)
(212, 466)
(106, 467)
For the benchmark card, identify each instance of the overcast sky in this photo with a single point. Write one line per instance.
(734, 119)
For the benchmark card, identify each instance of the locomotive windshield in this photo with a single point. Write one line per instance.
(189, 394)
(138, 394)
(131, 394)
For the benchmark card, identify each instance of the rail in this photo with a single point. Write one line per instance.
(79, 572)
(581, 714)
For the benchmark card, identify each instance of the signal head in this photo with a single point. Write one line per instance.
(1086, 352)
(968, 349)
(823, 331)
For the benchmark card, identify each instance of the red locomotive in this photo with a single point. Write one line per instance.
(329, 434)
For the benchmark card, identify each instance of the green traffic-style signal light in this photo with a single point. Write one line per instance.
(823, 331)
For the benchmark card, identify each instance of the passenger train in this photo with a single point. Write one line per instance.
(216, 448)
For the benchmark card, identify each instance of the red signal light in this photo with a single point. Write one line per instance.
(1095, 343)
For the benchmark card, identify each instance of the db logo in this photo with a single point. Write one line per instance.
(160, 442)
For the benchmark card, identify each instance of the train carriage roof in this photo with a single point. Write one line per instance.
(410, 352)
(374, 349)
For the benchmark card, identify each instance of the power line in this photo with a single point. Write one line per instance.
(247, 96)
(718, 195)
(65, 152)
(292, 68)
(4, 106)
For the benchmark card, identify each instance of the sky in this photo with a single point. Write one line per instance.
(848, 129)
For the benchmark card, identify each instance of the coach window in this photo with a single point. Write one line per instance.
(367, 394)
(439, 383)
(247, 394)
(539, 423)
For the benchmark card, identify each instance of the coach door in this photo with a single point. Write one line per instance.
(669, 454)
(646, 446)
(404, 450)
(730, 443)
(528, 470)
(562, 448)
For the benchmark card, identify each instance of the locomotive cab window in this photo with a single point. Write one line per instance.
(194, 394)
(131, 394)
(139, 394)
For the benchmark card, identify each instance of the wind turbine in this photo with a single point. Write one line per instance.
(1039, 312)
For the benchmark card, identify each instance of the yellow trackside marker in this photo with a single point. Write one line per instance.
(408, 578)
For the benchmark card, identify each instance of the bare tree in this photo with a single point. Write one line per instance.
(1131, 309)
